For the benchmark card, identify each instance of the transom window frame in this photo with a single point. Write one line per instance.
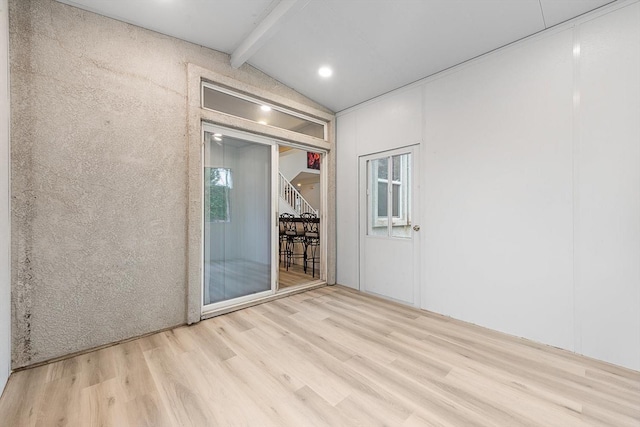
(206, 84)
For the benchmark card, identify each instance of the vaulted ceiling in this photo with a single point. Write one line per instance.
(372, 46)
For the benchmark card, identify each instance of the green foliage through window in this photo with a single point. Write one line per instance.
(217, 183)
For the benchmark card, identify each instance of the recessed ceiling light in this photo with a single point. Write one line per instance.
(325, 72)
(262, 122)
(265, 108)
(299, 185)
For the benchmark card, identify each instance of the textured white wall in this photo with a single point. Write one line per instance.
(531, 186)
(5, 266)
(100, 177)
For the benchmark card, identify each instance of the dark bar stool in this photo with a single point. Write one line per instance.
(282, 238)
(311, 240)
(290, 238)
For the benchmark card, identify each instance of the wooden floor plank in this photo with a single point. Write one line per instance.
(295, 275)
(326, 357)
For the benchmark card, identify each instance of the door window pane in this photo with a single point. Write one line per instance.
(378, 191)
(389, 196)
(395, 202)
(383, 189)
(401, 196)
(397, 160)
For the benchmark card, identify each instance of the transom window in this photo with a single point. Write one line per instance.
(246, 107)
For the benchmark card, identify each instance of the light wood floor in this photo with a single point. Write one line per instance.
(327, 357)
(295, 276)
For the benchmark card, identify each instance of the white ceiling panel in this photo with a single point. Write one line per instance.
(377, 46)
(217, 24)
(373, 46)
(557, 11)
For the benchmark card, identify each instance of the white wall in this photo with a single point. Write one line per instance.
(5, 265)
(531, 186)
(311, 193)
(292, 162)
(607, 193)
(497, 211)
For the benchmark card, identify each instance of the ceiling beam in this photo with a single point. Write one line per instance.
(270, 25)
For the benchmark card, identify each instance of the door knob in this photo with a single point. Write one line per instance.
(416, 228)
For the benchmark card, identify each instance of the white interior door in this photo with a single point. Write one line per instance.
(388, 233)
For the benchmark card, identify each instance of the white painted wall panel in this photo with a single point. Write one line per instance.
(510, 169)
(608, 188)
(498, 192)
(395, 121)
(5, 265)
(347, 202)
(557, 11)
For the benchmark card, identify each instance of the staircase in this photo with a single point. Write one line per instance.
(293, 198)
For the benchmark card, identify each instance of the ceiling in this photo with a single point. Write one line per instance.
(373, 46)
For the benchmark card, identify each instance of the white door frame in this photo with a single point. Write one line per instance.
(363, 182)
(221, 307)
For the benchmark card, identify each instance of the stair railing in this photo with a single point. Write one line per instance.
(293, 197)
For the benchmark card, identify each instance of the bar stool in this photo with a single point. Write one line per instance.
(291, 237)
(311, 240)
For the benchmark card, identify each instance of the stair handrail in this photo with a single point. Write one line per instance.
(292, 196)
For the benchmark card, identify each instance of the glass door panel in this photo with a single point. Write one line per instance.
(300, 199)
(237, 218)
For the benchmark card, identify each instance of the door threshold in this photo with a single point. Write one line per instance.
(279, 294)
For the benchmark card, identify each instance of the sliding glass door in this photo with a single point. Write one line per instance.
(238, 255)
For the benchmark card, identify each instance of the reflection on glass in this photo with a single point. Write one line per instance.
(218, 182)
(383, 189)
(378, 197)
(237, 212)
(401, 195)
(397, 161)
